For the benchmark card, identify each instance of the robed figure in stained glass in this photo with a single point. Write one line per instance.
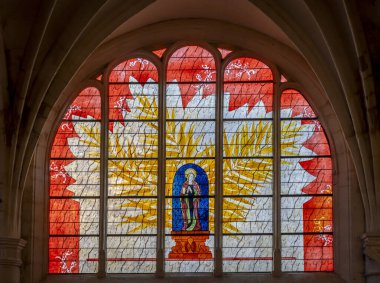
(190, 193)
(190, 222)
(190, 203)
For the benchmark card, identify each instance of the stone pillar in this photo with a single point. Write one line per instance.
(10, 259)
(371, 248)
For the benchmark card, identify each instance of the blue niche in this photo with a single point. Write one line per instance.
(190, 203)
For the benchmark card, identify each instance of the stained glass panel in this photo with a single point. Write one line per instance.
(247, 170)
(159, 52)
(306, 188)
(247, 100)
(294, 105)
(77, 254)
(190, 160)
(224, 52)
(246, 69)
(247, 253)
(75, 187)
(132, 167)
(131, 254)
(307, 252)
(247, 138)
(247, 176)
(63, 216)
(206, 164)
(244, 215)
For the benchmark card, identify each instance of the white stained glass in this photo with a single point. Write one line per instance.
(134, 254)
(292, 214)
(245, 112)
(89, 216)
(247, 253)
(292, 252)
(293, 176)
(255, 217)
(86, 174)
(88, 254)
(145, 97)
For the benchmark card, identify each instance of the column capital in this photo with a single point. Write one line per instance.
(371, 246)
(10, 251)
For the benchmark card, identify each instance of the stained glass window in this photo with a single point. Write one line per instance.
(147, 177)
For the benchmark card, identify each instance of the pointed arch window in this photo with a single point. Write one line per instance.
(190, 159)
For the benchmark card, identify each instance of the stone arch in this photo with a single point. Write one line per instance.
(218, 32)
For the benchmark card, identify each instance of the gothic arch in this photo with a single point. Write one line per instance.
(295, 67)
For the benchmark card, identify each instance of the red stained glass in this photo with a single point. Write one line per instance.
(293, 100)
(139, 68)
(159, 52)
(317, 214)
(247, 82)
(85, 105)
(59, 178)
(321, 169)
(195, 65)
(127, 80)
(63, 249)
(318, 255)
(249, 94)
(67, 222)
(247, 69)
(224, 52)
(64, 254)
(318, 141)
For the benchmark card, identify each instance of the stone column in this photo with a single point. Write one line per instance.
(10, 259)
(371, 248)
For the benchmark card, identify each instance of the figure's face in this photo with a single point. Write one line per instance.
(191, 177)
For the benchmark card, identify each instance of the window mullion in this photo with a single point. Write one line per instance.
(103, 182)
(160, 269)
(276, 180)
(219, 174)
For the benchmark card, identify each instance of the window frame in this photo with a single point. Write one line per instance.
(221, 64)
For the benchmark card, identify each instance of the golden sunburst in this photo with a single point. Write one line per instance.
(133, 162)
(244, 176)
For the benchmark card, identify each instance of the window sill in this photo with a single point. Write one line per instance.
(310, 277)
